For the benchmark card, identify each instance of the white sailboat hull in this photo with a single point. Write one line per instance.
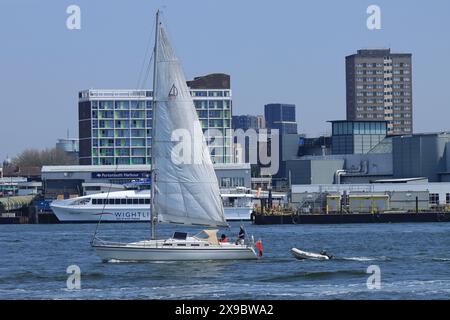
(141, 252)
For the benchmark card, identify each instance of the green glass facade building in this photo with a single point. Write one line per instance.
(115, 126)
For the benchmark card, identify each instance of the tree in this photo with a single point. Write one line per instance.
(39, 158)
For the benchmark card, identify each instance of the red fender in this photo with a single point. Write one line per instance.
(259, 247)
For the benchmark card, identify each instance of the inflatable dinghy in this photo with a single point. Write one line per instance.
(302, 255)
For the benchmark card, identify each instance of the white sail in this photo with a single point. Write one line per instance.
(186, 192)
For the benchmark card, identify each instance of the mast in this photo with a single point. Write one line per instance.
(153, 176)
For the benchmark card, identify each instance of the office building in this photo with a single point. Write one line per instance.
(261, 122)
(245, 122)
(282, 117)
(379, 88)
(115, 126)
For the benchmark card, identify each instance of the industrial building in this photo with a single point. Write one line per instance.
(356, 137)
(392, 195)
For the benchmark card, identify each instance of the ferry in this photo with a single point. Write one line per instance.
(134, 206)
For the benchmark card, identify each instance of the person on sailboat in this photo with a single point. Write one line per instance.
(241, 236)
(324, 253)
(223, 238)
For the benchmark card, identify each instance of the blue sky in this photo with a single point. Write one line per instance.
(275, 51)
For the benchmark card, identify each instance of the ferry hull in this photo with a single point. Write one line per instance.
(127, 214)
(74, 214)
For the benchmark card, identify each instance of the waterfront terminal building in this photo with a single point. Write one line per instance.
(70, 181)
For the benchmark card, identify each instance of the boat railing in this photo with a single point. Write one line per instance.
(100, 242)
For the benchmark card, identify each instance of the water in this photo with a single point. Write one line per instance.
(414, 260)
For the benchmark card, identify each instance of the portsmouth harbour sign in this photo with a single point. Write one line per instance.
(120, 175)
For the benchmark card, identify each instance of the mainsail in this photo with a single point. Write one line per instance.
(185, 192)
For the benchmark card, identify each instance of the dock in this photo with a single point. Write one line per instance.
(347, 218)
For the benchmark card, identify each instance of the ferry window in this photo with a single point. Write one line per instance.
(434, 198)
(123, 201)
(147, 201)
(111, 201)
(135, 201)
(447, 198)
(141, 201)
(94, 201)
(129, 201)
(117, 201)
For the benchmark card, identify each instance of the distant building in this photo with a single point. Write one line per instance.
(422, 155)
(356, 137)
(115, 126)
(318, 146)
(245, 122)
(261, 122)
(69, 145)
(212, 99)
(379, 88)
(282, 117)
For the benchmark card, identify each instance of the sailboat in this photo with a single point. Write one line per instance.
(182, 193)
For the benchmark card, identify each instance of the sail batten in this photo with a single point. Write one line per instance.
(186, 192)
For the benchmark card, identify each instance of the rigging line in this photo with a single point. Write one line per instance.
(147, 72)
(145, 56)
(104, 205)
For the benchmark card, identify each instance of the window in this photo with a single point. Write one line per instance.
(434, 198)
(215, 93)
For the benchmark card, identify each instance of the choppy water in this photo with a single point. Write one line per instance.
(414, 260)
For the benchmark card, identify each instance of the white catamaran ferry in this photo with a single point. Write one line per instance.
(134, 206)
